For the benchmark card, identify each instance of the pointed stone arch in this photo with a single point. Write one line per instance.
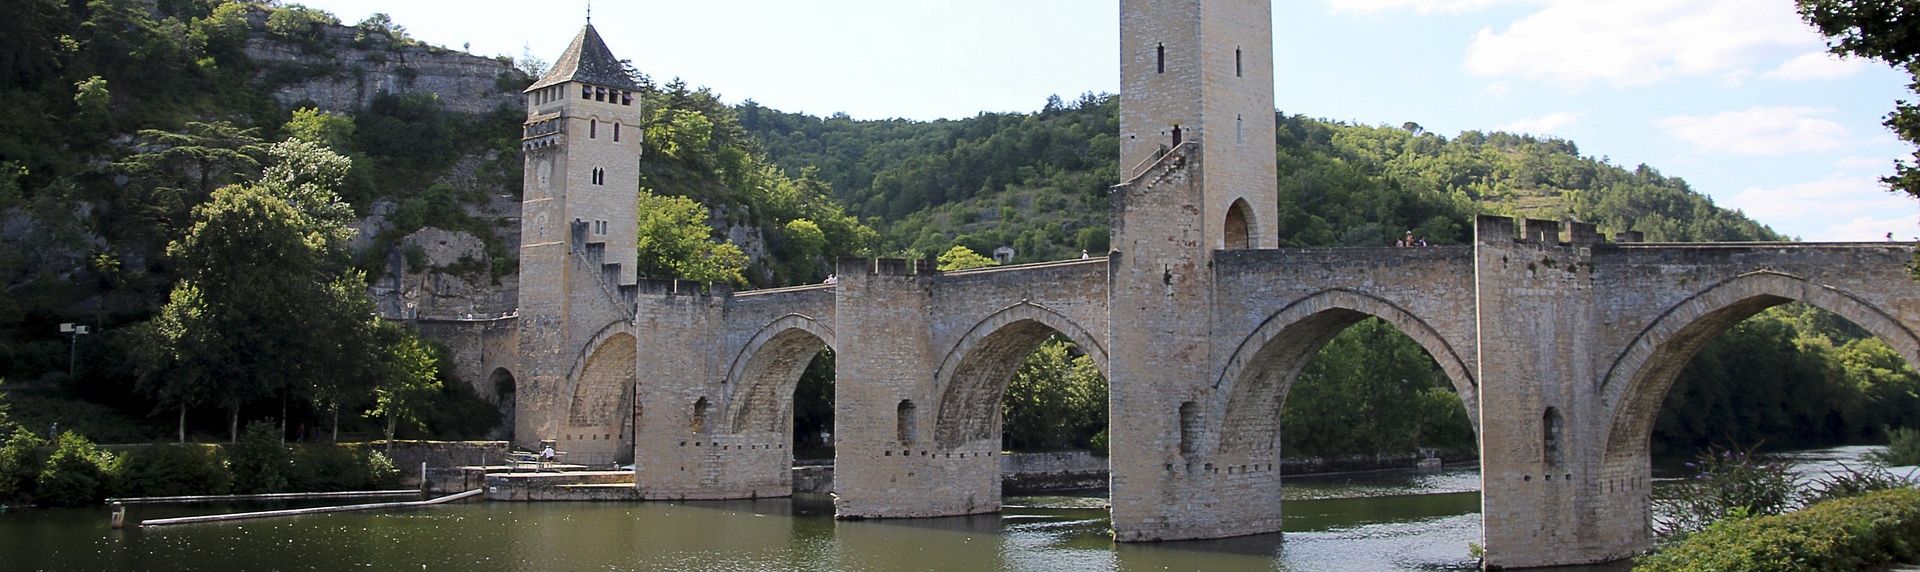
(1637, 381)
(973, 375)
(1259, 375)
(762, 377)
(599, 422)
(1237, 228)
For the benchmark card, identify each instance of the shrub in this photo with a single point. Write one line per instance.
(21, 457)
(260, 462)
(1726, 482)
(78, 473)
(1857, 533)
(1851, 481)
(1903, 448)
(323, 468)
(173, 470)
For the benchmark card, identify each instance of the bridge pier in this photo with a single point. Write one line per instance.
(1544, 486)
(887, 462)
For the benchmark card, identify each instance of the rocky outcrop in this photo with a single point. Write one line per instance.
(357, 65)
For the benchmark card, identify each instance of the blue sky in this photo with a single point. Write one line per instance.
(1735, 96)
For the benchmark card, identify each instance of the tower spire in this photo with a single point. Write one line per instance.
(589, 12)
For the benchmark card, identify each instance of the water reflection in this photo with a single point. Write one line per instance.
(1377, 521)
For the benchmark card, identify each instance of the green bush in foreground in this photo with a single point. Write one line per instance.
(1847, 534)
(21, 456)
(327, 468)
(260, 462)
(1903, 448)
(173, 470)
(78, 473)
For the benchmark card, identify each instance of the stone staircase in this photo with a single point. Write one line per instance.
(594, 255)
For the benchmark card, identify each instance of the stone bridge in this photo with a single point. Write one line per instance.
(1561, 344)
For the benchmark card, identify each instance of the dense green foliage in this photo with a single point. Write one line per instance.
(674, 242)
(961, 258)
(1859, 533)
(173, 470)
(1056, 400)
(1036, 182)
(1903, 448)
(261, 463)
(321, 468)
(697, 148)
(1372, 390)
(127, 118)
(1790, 376)
(21, 456)
(76, 474)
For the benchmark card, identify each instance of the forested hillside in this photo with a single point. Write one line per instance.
(1037, 182)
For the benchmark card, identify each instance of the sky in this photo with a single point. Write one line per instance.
(1738, 97)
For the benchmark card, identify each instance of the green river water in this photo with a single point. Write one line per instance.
(1400, 520)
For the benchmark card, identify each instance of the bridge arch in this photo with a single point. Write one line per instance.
(506, 398)
(973, 376)
(1637, 381)
(1259, 375)
(599, 427)
(761, 380)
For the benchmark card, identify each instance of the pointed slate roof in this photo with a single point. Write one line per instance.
(587, 60)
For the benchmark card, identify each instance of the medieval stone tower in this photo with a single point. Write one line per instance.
(582, 148)
(1197, 152)
(1201, 71)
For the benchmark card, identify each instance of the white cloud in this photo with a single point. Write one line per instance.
(1636, 42)
(1549, 124)
(1836, 208)
(1759, 131)
(1816, 66)
(1420, 6)
(1862, 229)
(1851, 163)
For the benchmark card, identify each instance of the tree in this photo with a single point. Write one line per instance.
(404, 376)
(262, 273)
(674, 242)
(1056, 399)
(1885, 30)
(315, 126)
(961, 258)
(175, 171)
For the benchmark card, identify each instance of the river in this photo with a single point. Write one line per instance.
(1395, 520)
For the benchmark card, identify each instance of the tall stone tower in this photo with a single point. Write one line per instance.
(1202, 71)
(1197, 153)
(582, 148)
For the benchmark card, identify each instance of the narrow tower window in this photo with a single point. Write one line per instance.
(616, 133)
(1176, 135)
(593, 128)
(1160, 51)
(599, 94)
(1237, 68)
(1551, 426)
(904, 423)
(1189, 428)
(586, 92)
